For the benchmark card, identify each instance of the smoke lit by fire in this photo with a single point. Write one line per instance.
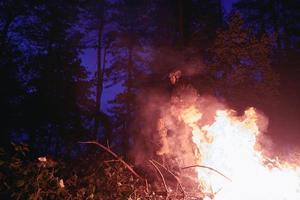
(200, 131)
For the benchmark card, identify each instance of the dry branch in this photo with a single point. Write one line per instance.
(206, 167)
(161, 176)
(114, 155)
(176, 178)
(146, 185)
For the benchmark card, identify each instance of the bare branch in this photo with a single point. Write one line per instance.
(206, 167)
(176, 178)
(114, 155)
(110, 161)
(146, 185)
(161, 176)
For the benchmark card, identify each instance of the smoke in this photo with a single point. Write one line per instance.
(164, 131)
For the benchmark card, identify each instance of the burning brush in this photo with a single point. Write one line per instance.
(222, 150)
(208, 152)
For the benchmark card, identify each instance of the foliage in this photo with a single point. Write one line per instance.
(46, 89)
(26, 179)
(280, 17)
(127, 64)
(241, 62)
(89, 177)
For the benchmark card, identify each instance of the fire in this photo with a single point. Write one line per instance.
(224, 149)
(229, 145)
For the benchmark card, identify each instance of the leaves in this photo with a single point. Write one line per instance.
(88, 177)
(240, 62)
(280, 17)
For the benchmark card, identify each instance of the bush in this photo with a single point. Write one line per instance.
(94, 176)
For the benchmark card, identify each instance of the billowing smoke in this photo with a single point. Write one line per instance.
(164, 130)
(166, 121)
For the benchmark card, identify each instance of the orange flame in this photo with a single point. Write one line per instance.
(229, 145)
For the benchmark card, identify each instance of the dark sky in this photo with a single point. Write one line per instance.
(89, 60)
(227, 4)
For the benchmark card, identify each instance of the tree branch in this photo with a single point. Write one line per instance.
(114, 155)
(161, 176)
(176, 178)
(206, 167)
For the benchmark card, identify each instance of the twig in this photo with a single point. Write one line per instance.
(147, 188)
(176, 178)
(217, 191)
(206, 167)
(107, 144)
(114, 155)
(161, 176)
(110, 161)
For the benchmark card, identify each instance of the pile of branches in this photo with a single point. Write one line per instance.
(142, 189)
(135, 185)
(102, 175)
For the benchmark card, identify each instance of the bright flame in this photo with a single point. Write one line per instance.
(229, 145)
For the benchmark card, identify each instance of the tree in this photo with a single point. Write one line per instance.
(127, 63)
(62, 101)
(41, 59)
(182, 33)
(12, 63)
(279, 16)
(240, 66)
(186, 23)
(96, 16)
(171, 26)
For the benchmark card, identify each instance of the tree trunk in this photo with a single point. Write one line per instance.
(129, 85)
(286, 35)
(99, 80)
(104, 117)
(275, 22)
(220, 13)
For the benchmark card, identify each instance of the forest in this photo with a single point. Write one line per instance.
(169, 64)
